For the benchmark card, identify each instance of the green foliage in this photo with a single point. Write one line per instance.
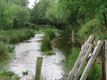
(19, 2)
(70, 60)
(7, 75)
(15, 36)
(12, 14)
(4, 51)
(95, 73)
(64, 42)
(17, 16)
(102, 36)
(46, 42)
(91, 27)
(39, 11)
(11, 37)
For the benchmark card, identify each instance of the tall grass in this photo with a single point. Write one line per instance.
(4, 50)
(93, 26)
(7, 75)
(46, 42)
(11, 37)
(70, 60)
(96, 72)
(15, 36)
(64, 43)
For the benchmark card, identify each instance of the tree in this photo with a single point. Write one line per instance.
(3, 6)
(13, 14)
(18, 2)
(18, 16)
(39, 11)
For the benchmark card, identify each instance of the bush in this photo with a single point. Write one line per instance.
(46, 42)
(91, 27)
(11, 37)
(15, 36)
(70, 60)
(95, 73)
(7, 75)
(4, 50)
(64, 43)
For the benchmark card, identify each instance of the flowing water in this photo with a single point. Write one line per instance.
(26, 54)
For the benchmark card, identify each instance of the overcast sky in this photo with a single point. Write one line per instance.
(31, 3)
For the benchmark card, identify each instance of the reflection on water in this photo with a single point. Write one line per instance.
(25, 61)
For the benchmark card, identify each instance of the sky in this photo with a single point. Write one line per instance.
(31, 3)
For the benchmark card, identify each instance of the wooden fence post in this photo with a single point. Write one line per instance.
(77, 74)
(103, 61)
(106, 59)
(77, 64)
(38, 68)
(91, 60)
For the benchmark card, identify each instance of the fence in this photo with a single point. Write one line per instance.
(89, 49)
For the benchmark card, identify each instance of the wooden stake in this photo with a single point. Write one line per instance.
(38, 68)
(84, 60)
(103, 62)
(83, 51)
(106, 59)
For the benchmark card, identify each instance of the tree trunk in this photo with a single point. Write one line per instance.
(105, 20)
(73, 38)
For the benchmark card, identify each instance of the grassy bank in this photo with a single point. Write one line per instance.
(46, 42)
(69, 62)
(8, 37)
(15, 36)
(94, 74)
(4, 51)
(71, 53)
(7, 75)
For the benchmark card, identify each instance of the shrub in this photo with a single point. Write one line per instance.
(4, 50)
(91, 27)
(95, 73)
(7, 75)
(46, 42)
(11, 37)
(70, 60)
(15, 36)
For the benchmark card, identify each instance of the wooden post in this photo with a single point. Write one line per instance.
(103, 62)
(106, 59)
(84, 60)
(83, 51)
(92, 60)
(38, 68)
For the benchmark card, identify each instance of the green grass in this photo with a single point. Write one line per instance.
(7, 75)
(4, 51)
(64, 43)
(15, 36)
(70, 60)
(46, 42)
(12, 36)
(8, 37)
(96, 72)
(89, 27)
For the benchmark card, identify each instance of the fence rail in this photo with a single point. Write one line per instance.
(89, 48)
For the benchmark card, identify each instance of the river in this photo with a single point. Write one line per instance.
(26, 54)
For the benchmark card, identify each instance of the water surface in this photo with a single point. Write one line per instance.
(26, 54)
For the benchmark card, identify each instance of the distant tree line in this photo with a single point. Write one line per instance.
(72, 14)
